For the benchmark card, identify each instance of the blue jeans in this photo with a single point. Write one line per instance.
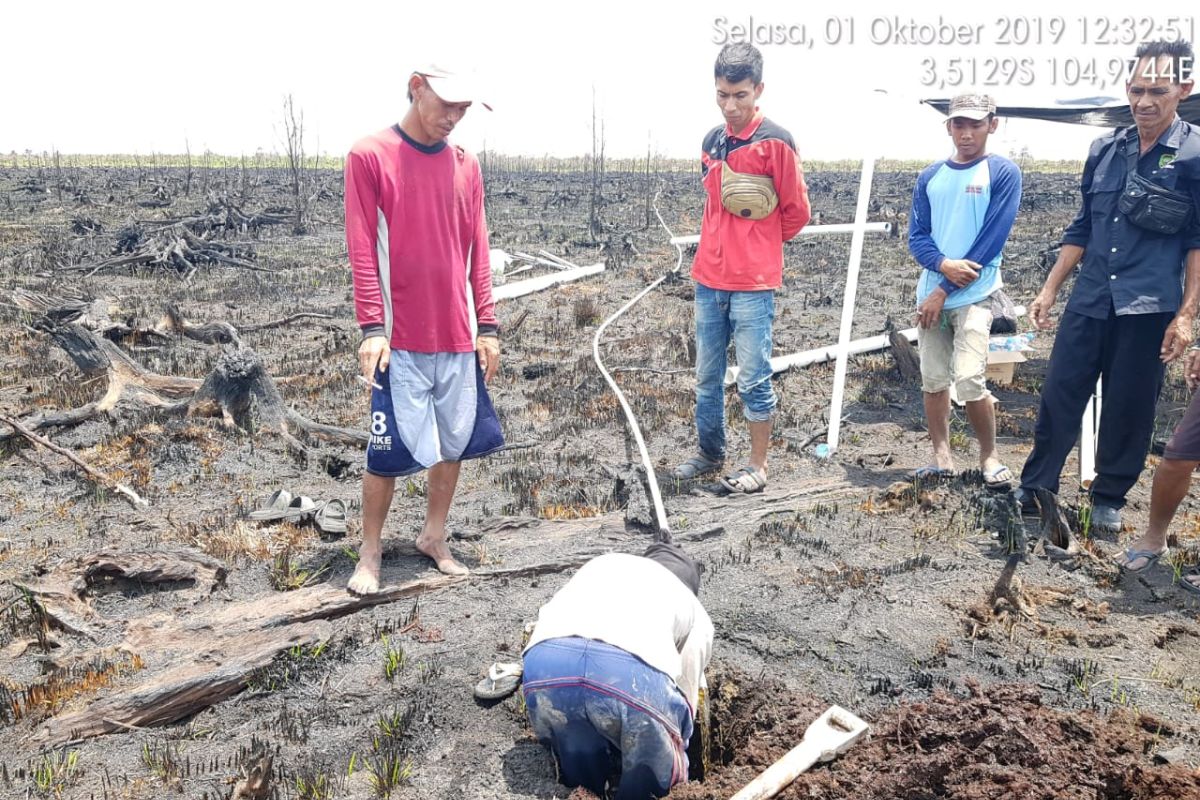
(597, 705)
(746, 318)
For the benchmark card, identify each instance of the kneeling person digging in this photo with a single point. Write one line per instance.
(614, 669)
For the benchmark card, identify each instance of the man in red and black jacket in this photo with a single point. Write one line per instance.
(738, 267)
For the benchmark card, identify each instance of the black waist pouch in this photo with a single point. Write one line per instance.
(1150, 206)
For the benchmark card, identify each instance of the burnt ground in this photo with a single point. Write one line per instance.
(838, 585)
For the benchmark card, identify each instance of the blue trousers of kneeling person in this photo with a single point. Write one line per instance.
(598, 706)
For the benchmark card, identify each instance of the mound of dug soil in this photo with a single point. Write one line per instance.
(999, 742)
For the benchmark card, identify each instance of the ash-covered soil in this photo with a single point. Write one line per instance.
(983, 675)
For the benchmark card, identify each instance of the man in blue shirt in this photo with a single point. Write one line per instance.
(963, 209)
(1128, 315)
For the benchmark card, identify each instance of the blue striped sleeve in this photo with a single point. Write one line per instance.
(1001, 213)
(920, 228)
(920, 225)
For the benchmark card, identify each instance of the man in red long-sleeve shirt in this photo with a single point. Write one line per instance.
(414, 220)
(739, 265)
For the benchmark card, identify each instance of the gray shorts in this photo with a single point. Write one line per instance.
(426, 412)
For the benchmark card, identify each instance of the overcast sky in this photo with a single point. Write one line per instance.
(124, 76)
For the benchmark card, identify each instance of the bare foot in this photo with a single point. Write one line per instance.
(944, 460)
(434, 546)
(365, 579)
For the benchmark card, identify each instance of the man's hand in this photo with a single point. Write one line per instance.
(373, 352)
(488, 350)
(1191, 372)
(1177, 338)
(929, 313)
(1039, 309)
(959, 271)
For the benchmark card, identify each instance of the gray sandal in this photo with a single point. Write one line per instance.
(1187, 585)
(695, 467)
(745, 481)
(331, 518)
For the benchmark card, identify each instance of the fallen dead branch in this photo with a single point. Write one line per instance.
(62, 594)
(220, 332)
(209, 332)
(195, 661)
(223, 215)
(279, 323)
(96, 475)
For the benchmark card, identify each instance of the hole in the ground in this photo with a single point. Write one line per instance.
(745, 716)
(980, 742)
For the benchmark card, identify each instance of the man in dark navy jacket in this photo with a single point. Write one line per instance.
(1128, 315)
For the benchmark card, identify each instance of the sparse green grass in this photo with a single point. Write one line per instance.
(393, 659)
(286, 575)
(395, 723)
(56, 772)
(161, 757)
(390, 765)
(388, 770)
(1085, 518)
(287, 667)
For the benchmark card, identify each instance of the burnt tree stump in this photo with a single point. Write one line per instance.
(906, 357)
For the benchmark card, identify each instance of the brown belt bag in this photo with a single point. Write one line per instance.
(747, 196)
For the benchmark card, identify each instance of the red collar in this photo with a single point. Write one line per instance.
(748, 131)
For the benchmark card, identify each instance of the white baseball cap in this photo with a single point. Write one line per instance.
(453, 86)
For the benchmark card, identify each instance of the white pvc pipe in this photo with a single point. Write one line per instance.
(843, 354)
(519, 288)
(807, 230)
(820, 355)
(1089, 437)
